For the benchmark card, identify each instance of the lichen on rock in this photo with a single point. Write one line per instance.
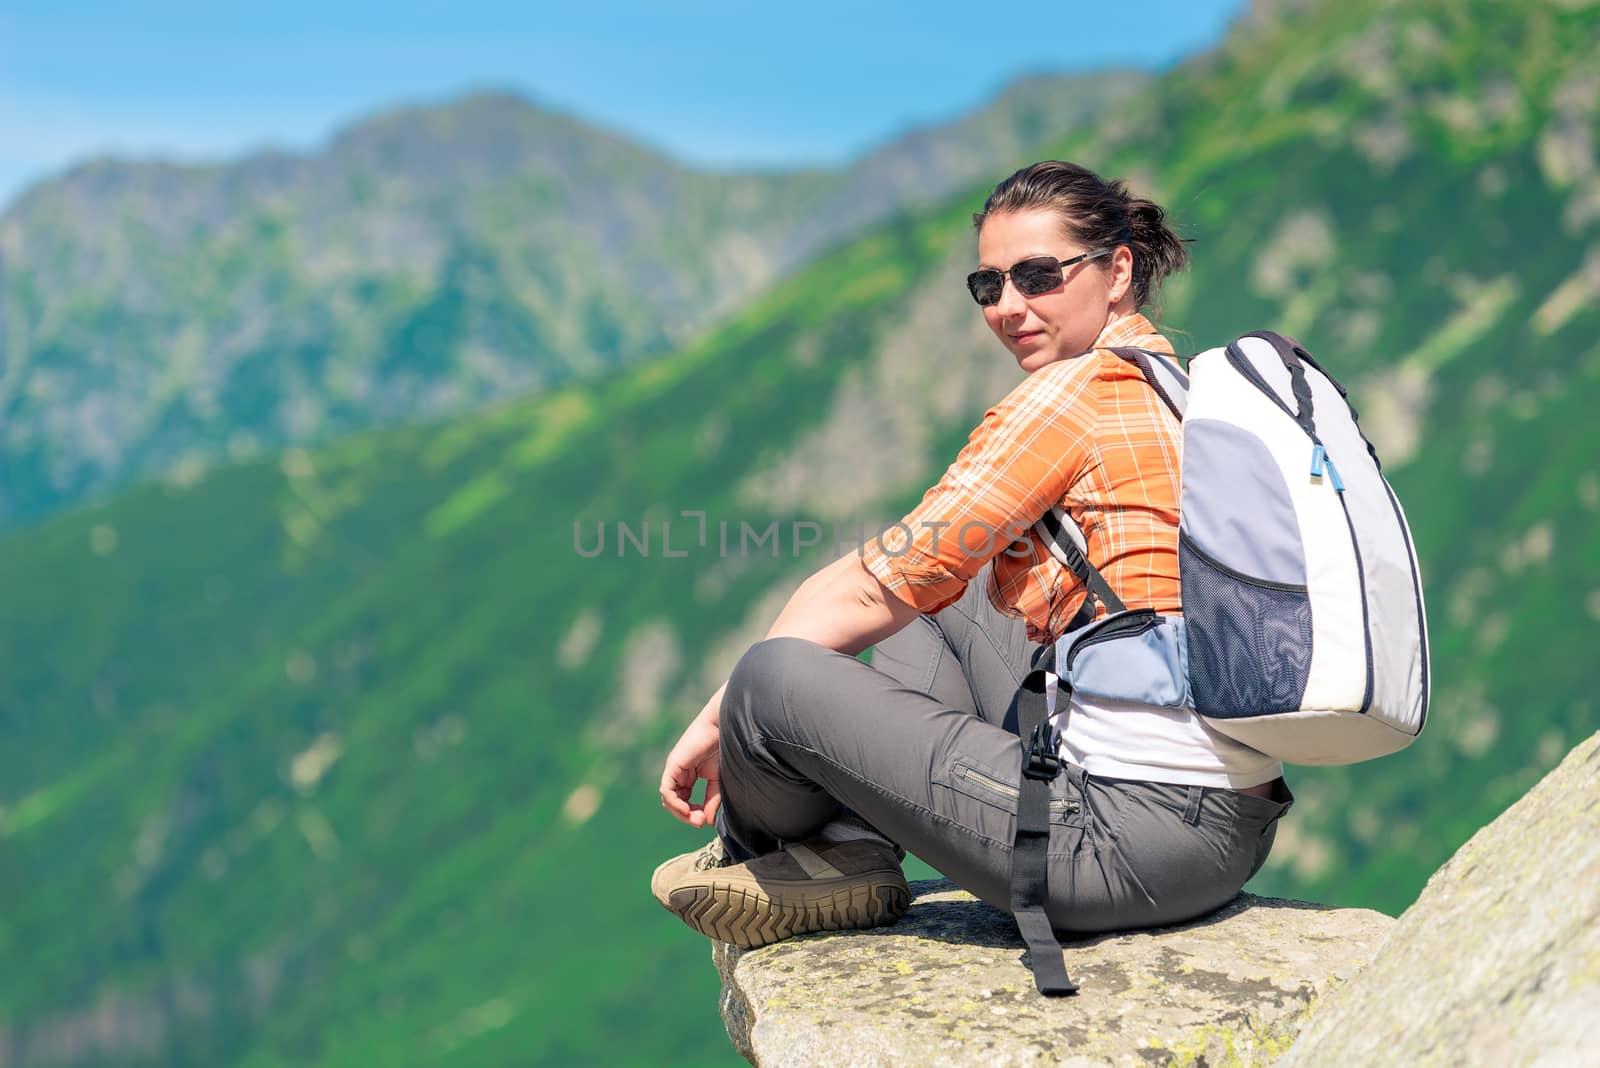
(949, 985)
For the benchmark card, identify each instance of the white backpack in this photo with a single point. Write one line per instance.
(1303, 633)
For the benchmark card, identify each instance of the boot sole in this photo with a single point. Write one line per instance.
(743, 914)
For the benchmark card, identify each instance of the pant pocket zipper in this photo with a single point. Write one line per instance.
(1057, 804)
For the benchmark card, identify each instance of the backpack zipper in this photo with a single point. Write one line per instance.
(1416, 582)
(1057, 804)
(1248, 370)
(1319, 452)
(1130, 625)
(1237, 576)
(1366, 615)
(1319, 459)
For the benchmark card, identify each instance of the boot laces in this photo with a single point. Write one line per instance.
(712, 856)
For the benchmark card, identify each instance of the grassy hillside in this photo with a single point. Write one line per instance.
(368, 793)
(347, 756)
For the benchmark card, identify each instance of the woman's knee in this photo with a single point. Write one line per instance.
(761, 682)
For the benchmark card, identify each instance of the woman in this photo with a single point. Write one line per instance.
(817, 766)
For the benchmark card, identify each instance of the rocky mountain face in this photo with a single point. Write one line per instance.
(160, 319)
(1498, 962)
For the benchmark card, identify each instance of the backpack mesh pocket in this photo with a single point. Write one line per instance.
(1249, 640)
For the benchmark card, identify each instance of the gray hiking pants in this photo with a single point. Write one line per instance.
(915, 744)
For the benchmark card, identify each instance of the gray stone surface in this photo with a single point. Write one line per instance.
(1498, 962)
(948, 985)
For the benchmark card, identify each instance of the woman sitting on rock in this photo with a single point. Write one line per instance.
(821, 769)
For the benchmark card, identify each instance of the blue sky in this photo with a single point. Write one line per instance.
(714, 83)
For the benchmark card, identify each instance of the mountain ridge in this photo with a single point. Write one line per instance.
(423, 262)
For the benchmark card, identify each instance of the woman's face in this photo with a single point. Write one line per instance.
(1065, 321)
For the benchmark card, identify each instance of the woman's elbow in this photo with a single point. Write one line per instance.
(876, 600)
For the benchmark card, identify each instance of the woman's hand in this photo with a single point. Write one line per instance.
(843, 607)
(696, 756)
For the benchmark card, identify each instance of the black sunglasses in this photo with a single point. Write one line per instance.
(1031, 277)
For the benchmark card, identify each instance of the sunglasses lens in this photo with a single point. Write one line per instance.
(985, 286)
(1033, 277)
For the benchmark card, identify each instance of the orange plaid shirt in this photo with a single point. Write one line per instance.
(1088, 433)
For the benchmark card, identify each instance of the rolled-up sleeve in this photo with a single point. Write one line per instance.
(1017, 463)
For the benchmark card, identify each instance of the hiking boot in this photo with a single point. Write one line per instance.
(711, 855)
(814, 885)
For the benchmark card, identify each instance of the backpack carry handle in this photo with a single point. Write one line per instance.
(1294, 358)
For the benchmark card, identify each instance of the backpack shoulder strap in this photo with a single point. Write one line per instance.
(1064, 538)
(1059, 531)
(1169, 380)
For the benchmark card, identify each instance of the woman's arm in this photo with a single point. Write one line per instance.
(1016, 464)
(843, 607)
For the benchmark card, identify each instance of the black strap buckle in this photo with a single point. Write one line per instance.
(1042, 760)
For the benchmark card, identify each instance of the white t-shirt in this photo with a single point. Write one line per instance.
(1125, 740)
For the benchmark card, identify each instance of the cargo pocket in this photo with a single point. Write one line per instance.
(998, 798)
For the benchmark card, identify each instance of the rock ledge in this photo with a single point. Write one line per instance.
(948, 985)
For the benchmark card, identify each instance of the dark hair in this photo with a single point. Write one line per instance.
(1096, 213)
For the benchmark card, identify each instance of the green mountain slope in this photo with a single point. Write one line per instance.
(424, 263)
(347, 756)
(347, 810)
